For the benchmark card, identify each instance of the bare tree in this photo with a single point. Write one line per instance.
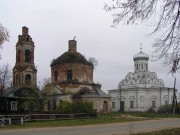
(166, 18)
(5, 78)
(44, 82)
(4, 34)
(93, 61)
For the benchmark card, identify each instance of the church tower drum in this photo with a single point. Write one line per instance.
(24, 71)
(141, 62)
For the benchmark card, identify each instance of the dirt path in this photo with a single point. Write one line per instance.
(104, 129)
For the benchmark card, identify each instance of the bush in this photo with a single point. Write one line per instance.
(168, 109)
(83, 107)
(77, 107)
(65, 107)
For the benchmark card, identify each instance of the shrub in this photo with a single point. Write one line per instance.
(83, 107)
(167, 108)
(64, 107)
(77, 107)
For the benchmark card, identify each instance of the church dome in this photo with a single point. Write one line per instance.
(70, 57)
(141, 56)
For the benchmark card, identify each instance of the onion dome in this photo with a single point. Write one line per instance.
(141, 56)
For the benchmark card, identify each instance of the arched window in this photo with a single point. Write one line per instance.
(17, 79)
(28, 79)
(27, 56)
(55, 75)
(18, 56)
(132, 99)
(141, 66)
(153, 99)
(142, 101)
(146, 67)
(166, 101)
(136, 66)
(69, 75)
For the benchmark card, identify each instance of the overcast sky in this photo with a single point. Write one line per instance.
(52, 23)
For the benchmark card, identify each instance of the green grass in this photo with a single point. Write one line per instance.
(175, 131)
(101, 119)
(152, 115)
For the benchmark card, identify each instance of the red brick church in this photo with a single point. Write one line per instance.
(71, 80)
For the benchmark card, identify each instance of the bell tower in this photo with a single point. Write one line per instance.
(24, 71)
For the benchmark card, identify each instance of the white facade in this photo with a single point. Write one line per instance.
(141, 90)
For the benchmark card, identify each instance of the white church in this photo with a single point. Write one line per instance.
(141, 90)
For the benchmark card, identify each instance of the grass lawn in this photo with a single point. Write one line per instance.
(152, 115)
(175, 131)
(101, 119)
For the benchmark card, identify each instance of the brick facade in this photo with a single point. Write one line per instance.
(24, 71)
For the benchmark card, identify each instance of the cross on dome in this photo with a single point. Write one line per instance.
(140, 47)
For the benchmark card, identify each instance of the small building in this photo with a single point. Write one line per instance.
(72, 80)
(141, 90)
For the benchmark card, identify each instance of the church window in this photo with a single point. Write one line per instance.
(17, 79)
(131, 99)
(69, 75)
(18, 57)
(27, 56)
(136, 67)
(142, 101)
(28, 79)
(153, 104)
(166, 102)
(113, 105)
(55, 75)
(131, 104)
(141, 66)
(146, 67)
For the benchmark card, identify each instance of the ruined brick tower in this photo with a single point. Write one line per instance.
(24, 71)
